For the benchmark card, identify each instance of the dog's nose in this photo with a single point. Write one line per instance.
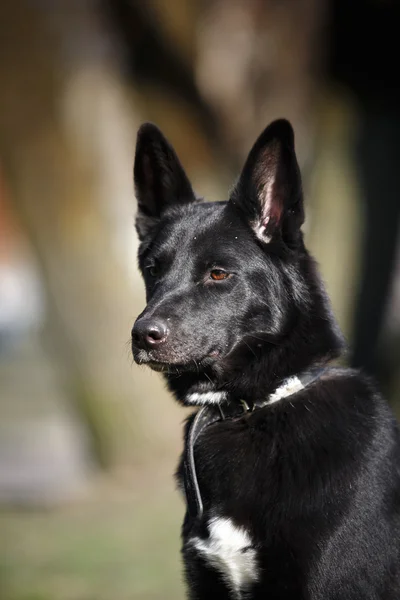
(148, 333)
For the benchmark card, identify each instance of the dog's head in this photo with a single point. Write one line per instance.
(221, 278)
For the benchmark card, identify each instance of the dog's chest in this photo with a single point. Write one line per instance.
(230, 551)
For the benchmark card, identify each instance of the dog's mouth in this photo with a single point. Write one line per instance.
(175, 364)
(158, 366)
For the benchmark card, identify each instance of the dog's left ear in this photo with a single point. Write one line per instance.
(160, 181)
(269, 193)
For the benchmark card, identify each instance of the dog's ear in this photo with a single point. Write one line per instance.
(160, 180)
(268, 192)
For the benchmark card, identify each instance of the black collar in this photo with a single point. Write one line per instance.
(212, 413)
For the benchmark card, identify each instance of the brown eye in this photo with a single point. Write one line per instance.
(218, 274)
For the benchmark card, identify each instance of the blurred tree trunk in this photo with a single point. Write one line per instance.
(54, 189)
(258, 61)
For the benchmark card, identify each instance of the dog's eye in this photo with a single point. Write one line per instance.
(154, 269)
(219, 274)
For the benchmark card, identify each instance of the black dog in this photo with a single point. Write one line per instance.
(292, 468)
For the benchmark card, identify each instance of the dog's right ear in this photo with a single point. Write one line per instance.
(160, 180)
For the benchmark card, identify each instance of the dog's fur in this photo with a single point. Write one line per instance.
(301, 498)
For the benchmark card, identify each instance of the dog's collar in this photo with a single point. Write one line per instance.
(219, 398)
(212, 413)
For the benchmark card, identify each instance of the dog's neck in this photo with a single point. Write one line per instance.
(251, 373)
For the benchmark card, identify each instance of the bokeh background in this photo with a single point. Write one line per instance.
(88, 441)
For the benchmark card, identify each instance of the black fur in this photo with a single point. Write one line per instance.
(315, 478)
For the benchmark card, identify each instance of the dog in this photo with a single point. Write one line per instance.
(291, 466)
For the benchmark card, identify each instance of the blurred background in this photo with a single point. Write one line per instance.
(88, 441)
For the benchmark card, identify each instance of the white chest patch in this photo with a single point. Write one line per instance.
(229, 550)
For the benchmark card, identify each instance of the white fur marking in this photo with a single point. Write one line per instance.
(206, 397)
(289, 387)
(229, 550)
(259, 230)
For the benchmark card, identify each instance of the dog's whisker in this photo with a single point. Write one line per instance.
(250, 348)
(209, 378)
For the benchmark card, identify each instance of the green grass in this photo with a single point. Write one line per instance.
(101, 550)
